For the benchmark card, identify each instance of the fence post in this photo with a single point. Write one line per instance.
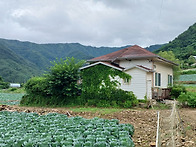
(157, 137)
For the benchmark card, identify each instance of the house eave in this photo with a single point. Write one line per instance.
(120, 69)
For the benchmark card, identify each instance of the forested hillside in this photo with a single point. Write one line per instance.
(41, 54)
(14, 68)
(184, 45)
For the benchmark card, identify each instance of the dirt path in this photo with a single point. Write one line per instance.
(143, 120)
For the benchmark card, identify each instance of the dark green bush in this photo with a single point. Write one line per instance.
(188, 99)
(3, 85)
(37, 86)
(176, 90)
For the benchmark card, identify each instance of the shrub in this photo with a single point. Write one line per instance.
(37, 86)
(188, 99)
(3, 85)
(57, 87)
(176, 90)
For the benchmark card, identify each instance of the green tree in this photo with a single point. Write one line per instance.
(57, 87)
(169, 55)
(191, 60)
(63, 77)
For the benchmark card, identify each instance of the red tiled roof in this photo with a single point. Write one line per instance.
(126, 53)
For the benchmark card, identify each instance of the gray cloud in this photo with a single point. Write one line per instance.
(96, 22)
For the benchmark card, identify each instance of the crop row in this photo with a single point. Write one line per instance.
(31, 129)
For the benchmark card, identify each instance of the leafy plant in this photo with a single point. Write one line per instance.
(176, 90)
(100, 87)
(188, 99)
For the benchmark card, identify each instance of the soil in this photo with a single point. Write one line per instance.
(143, 120)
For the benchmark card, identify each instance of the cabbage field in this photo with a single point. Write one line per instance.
(10, 98)
(191, 77)
(58, 130)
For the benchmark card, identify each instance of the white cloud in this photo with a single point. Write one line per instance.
(96, 22)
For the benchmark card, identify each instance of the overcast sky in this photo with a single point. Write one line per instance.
(96, 22)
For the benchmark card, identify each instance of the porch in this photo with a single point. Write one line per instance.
(161, 93)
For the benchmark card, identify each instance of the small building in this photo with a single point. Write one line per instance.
(15, 85)
(151, 74)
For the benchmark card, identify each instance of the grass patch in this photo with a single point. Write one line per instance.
(12, 90)
(95, 109)
(161, 106)
(191, 88)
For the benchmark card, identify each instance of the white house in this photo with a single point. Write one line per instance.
(151, 74)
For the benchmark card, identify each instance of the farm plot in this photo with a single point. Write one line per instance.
(191, 77)
(53, 129)
(10, 98)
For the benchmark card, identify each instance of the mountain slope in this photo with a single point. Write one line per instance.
(41, 54)
(13, 68)
(184, 45)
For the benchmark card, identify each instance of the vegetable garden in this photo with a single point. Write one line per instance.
(10, 98)
(31, 129)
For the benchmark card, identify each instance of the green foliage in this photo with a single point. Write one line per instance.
(170, 56)
(3, 85)
(188, 72)
(63, 77)
(57, 87)
(37, 86)
(176, 90)
(99, 88)
(31, 129)
(188, 99)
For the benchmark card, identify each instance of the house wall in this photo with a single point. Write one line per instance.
(165, 70)
(149, 85)
(137, 83)
(128, 64)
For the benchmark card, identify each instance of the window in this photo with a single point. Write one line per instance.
(126, 81)
(170, 80)
(157, 79)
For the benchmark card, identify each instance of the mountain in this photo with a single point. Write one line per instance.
(184, 45)
(14, 68)
(155, 47)
(41, 54)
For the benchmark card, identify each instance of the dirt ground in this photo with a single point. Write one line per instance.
(143, 120)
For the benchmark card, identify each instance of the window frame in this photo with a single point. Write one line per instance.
(170, 80)
(157, 79)
(126, 81)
